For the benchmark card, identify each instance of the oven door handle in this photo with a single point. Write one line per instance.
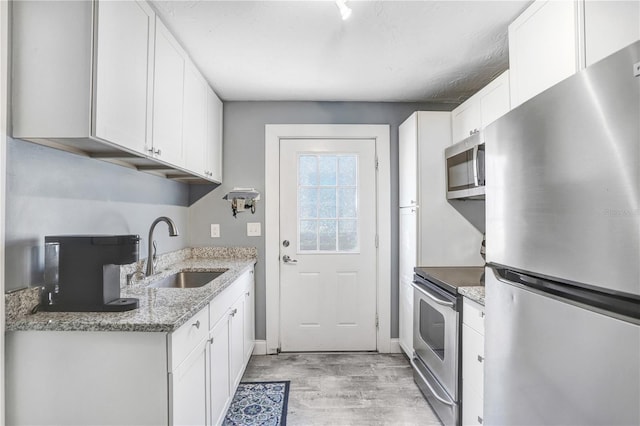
(426, 382)
(435, 299)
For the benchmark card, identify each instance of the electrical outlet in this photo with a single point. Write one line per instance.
(215, 230)
(254, 229)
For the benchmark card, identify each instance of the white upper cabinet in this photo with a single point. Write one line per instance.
(214, 136)
(194, 131)
(481, 109)
(168, 94)
(108, 80)
(124, 36)
(543, 48)
(553, 39)
(609, 26)
(408, 161)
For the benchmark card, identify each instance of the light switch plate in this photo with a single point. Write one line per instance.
(254, 229)
(215, 230)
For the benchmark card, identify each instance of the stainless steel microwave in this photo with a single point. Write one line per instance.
(465, 169)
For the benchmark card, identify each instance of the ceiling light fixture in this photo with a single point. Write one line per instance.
(345, 11)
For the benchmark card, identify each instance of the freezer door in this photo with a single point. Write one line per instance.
(548, 362)
(563, 180)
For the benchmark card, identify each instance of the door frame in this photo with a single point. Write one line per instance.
(380, 134)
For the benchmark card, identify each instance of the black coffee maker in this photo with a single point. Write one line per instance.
(82, 272)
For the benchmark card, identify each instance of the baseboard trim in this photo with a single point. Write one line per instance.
(260, 348)
(395, 346)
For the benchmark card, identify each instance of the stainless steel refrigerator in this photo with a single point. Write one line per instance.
(563, 243)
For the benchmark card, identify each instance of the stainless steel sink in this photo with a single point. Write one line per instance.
(187, 279)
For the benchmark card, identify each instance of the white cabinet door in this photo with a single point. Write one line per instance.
(408, 162)
(189, 389)
(214, 136)
(249, 318)
(466, 119)
(408, 260)
(543, 48)
(194, 133)
(609, 26)
(236, 341)
(495, 100)
(221, 391)
(168, 92)
(124, 49)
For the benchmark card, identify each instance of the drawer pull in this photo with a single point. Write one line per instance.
(234, 312)
(481, 314)
(480, 358)
(211, 341)
(479, 419)
(196, 324)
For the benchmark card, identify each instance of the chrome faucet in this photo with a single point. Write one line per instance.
(151, 257)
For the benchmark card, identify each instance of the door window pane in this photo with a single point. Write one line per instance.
(348, 236)
(347, 203)
(308, 203)
(308, 170)
(328, 203)
(308, 235)
(327, 235)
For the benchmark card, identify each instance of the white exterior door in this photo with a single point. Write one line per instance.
(328, 245)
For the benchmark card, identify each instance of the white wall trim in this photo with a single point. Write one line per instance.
(273, 133)
(260, 348)
(4, 104)
(395, 347)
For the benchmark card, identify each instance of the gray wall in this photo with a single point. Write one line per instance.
(51, 192)
(244, 167)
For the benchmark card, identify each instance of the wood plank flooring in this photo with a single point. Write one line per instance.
(350, 389)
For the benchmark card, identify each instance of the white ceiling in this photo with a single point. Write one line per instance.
(394, 51)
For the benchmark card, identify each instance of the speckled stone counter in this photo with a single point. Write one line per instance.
(475, 293)
(160, 310)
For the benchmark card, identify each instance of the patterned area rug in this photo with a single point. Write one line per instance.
(259, 403)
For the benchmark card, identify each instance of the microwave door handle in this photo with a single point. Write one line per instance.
(475, 166)
(435, 299)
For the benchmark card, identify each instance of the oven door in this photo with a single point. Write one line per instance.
(436, 333)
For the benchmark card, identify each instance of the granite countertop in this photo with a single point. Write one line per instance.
(475, 293)
(160, 309)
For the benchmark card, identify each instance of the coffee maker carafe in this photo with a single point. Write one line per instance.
(82, 272)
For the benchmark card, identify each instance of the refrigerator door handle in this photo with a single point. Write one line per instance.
(435, 299)
(426, 382)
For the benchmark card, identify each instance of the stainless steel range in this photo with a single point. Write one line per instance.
(437, 316)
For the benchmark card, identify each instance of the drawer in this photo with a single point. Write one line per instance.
(473, 315)
(187, 337)
(472, 359)
(221, 303)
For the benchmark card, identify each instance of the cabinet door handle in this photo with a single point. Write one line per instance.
(479, 419)
(210, 341)
(481, 314)
(234, 312)
(196, 324)
(247, 294)
(480, 358)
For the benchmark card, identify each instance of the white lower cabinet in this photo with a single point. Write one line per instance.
(472, 362)
(188, 384)
(186, 377)
(219, 370)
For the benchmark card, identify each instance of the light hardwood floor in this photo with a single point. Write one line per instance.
(355, 389)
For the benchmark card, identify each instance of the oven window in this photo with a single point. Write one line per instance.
(432, 328)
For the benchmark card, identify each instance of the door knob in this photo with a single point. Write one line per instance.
(287, 259)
